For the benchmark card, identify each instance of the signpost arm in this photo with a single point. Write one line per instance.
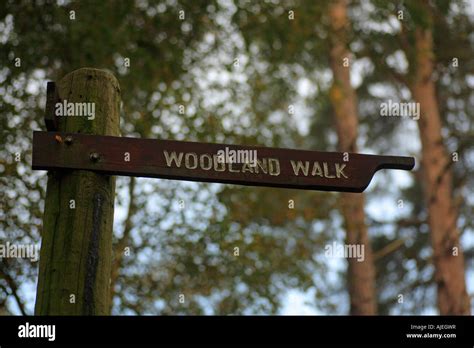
(76, 249)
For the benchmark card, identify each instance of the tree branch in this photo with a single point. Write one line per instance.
(13, 287)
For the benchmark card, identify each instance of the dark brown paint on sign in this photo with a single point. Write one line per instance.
(193, 161)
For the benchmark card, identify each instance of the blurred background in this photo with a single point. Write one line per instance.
(293, 74)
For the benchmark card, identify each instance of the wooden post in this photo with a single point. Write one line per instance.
(76, 249)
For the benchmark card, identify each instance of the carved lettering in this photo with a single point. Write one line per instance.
(202, 161)
(262, 164)
(299, 166)
(172, 157)
(232, 170)
(317, 170)
(219, 166)
(274, 166)
(269, 166)
(339, 170)
(247, 167)
(187, 160)
(326, 171)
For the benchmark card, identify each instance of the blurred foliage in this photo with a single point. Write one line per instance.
(237, 67)
(379, 56)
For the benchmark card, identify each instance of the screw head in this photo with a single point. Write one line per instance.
(94, 156)
(68, 139)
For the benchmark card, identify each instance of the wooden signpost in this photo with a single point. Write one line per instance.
(83, 153)
(192, 161)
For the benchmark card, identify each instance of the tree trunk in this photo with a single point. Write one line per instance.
(76, 248)
(361, 275)
(447, 254)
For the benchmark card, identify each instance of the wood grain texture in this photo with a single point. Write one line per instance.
(76, 247)
(147, 159)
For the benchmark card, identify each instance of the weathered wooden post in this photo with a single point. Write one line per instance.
(76, 249)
